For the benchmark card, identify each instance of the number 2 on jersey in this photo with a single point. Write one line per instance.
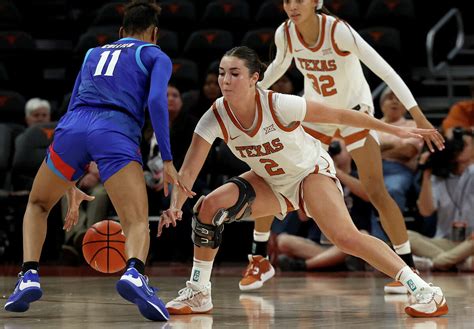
(324, 85)
(272, 167)
(103, 59)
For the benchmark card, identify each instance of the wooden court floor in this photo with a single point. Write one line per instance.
(291, 301)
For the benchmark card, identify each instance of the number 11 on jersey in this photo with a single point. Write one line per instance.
(103, 59)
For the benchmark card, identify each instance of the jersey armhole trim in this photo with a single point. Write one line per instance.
(333, 41)
(221, 123)
(85, 57)
(139, 59)
(280, 125)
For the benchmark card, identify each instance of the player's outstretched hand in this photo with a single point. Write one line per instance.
(427, 134)
(430, 139)
(168, 217)
(171, 176)
(74, 198)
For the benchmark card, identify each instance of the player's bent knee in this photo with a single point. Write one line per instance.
(208, 220)
(40, 204)
(207, 206)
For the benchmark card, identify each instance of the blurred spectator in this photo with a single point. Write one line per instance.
(399, 156)
(289, 83)
(448, 189)
(89, 213)
(182, 124)
(37, 110)
(312, 252)
(209, 93)
(284, 85)
(460, 114)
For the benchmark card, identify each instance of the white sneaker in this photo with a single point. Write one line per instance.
(191, 299)
(422, 263)
(428, 304)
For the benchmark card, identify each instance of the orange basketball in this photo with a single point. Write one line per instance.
(104, 247)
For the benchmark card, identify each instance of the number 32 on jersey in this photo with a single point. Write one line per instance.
(324, 84)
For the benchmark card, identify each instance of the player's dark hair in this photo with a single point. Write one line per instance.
(139, 15)
(250, 58)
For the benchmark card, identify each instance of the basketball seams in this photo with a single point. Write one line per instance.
(105, 234)
(97, 241)
(114, 258)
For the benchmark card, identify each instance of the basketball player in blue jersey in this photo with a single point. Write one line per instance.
(103, 124)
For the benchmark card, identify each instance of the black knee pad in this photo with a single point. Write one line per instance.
(204, 235)
(244, 203)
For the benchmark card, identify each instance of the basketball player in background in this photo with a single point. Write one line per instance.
(103, 124)
(327, 51)
(289, 170)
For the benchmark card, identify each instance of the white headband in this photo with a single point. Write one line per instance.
(320, 5)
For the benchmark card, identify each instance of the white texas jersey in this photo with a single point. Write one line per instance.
(281, 154)
(332, 76)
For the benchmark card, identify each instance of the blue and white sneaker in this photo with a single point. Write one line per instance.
(134, 287)
(27, 290)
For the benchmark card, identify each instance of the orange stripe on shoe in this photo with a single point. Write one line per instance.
(221, 123)
(184, 311)
(416, 314)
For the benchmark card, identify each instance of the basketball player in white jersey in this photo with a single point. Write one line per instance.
(289, 170)
(327, 51)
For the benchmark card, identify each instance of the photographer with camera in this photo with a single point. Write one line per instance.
(448, 188)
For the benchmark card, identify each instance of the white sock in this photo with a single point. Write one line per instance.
(261, 236)
(201, 272)
(403, 249)
(412, 281)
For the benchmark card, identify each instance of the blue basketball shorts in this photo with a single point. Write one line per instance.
(108, 137)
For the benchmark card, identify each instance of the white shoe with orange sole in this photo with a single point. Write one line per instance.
(428, 304)
(192, 299)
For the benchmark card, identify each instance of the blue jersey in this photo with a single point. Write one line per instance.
(126, 76)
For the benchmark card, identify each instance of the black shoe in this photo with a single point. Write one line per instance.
(288, 264)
